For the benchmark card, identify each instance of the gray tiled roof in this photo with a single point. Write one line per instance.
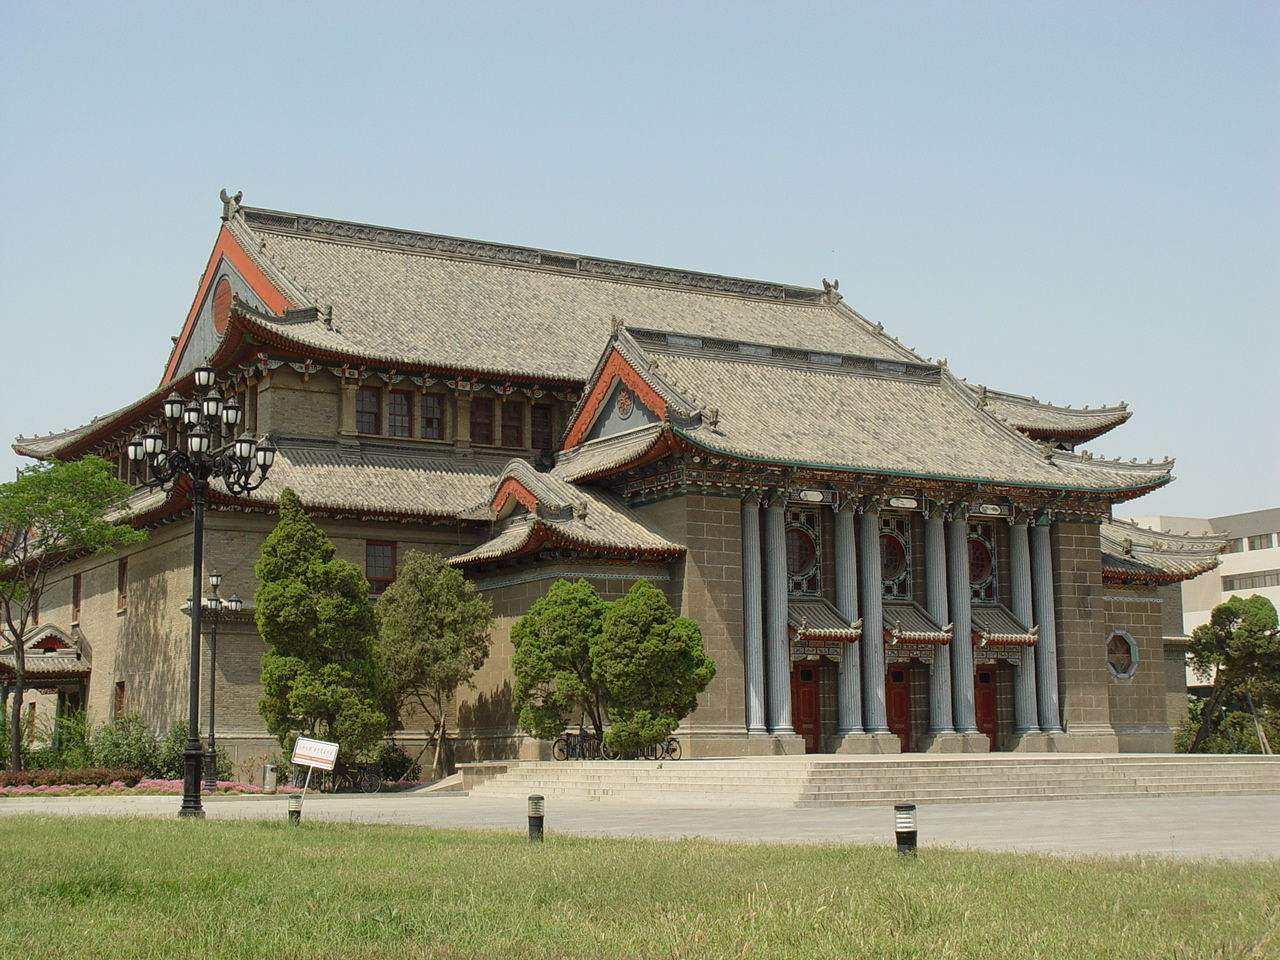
(857, 414)
(1134, 554)
(905, 621)
(816, 618)
(597, 522)
(1041, 419)
(378, 479)
(599, 456)
(419, 298)
(69, 662)
(996, 626)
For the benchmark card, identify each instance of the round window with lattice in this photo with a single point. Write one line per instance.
(893, 557)
(1122, 654)
(802, 552)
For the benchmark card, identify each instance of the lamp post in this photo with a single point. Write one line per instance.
(215, 608)
(242, 465)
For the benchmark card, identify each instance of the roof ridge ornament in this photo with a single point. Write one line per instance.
(831, 291)
(230, 204)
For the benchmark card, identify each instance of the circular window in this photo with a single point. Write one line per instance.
(624, 404)
(893, 557)
(221, 306)
(802, 555)
(980, 562)
(1122, 655)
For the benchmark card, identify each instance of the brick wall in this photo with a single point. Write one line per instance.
(1138, 705)
(1083, 678)
(288, 404)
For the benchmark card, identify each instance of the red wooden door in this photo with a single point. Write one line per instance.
(804, 705)
(897, 702)
(984, 702)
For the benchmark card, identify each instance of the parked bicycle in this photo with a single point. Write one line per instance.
(580, 746)
(355, 778)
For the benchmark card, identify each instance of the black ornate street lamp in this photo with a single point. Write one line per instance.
(242, 465)
(215, 608)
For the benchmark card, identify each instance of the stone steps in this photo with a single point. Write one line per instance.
(831, 781)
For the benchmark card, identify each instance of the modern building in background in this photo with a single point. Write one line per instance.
(882, 556)
(1250, 564)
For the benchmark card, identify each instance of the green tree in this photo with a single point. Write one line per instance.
(321, 674)
(1240, 648)
(551, 660)
(434, 633)
(51, 513)
(652, 667)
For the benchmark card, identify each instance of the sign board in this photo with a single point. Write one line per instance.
(315, 753)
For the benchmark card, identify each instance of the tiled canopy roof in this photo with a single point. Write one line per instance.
(1134, 554)
(68, 662)
(1048, 421)
(765, 403)
(600, 456)
(814, 618)
(996, 626)
(905, 621)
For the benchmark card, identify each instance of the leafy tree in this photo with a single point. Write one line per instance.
(434, 633)
(1240, 647)
(551, 661)
(52, 512)
(652, 666)
(321, 674)
(1235, 730)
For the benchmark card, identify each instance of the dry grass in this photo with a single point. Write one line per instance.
(141, 889)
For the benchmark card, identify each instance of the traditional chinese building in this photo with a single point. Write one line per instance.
(882, 556)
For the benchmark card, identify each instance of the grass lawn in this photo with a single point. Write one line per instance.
(139, 889)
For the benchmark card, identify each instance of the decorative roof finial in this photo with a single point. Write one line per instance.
(831, 291)
(230, 205)
(617, 324)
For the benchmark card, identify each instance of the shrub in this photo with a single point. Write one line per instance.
(89, 776)
(127, 743)
(396, 763)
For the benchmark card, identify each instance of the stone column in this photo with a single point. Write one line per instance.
(1046, 649)
(752, 616)
(959, 598)
(849, 680)
(935, 590)
(1024, 682)
(874, 719)
(775, 625)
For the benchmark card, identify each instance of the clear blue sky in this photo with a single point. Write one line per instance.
(1074, 200)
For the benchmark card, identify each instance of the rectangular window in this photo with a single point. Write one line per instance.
(379, 565)
(1236, 545)
(482, 421)
(513, 424)
(400, 413)
(122, 583)
(432, 416)
(368, 410)
(540, 427)
(1261, 542)
(75, 599)
(1252, 581)
(118, 702)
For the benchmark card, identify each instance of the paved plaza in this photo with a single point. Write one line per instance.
(1240, 828)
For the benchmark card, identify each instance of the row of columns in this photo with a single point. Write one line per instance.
(860, 692)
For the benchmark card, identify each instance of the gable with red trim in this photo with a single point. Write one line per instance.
(512, 490)
(229, 272)
(605, 398)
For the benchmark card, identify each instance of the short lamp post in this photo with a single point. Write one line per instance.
(215, 608)
(904, 828)
(242, 466)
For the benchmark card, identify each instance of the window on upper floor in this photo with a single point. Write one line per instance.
(122, 583)
(513, 423)
(118, 701)
(368, 410)
(75, 599)
(1235, 545)
(540, 427)
(379, 565)
(482, 421)
(1251, 581)
(432, 416)
(1262, 541)
(400, 413)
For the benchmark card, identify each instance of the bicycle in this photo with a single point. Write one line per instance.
(580, 746)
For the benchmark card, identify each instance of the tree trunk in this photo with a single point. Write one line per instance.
(1210, 711)
(436, 772)
(15, 715)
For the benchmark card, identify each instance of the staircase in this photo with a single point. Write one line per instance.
(840, 781)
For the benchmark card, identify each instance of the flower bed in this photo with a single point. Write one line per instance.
(120, 788)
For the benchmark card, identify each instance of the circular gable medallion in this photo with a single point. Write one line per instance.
(625, 405)
(221, 306)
